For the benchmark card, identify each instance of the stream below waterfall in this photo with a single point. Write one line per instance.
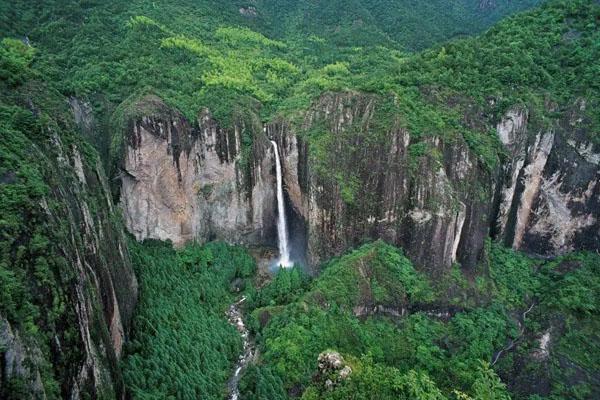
(235, 317)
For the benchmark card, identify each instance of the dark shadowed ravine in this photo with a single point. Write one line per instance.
(235, 317)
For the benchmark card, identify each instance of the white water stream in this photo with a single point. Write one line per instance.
(234, 315)
(282, 235)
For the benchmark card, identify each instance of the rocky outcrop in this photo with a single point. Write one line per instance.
(332, 369)
(486, 4)
(352, 173)
(353, 179)
(184, 181)
(248, 12)
(105, 287)
(20, 362)
(549, 203)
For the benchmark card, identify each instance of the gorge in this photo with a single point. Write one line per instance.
(236, 318)
(425, 179)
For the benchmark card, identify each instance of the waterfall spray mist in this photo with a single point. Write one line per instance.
(282, 235)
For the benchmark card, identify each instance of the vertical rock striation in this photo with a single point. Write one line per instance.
(352, 173)
(549, 203)
(354, 179)
(184, 181)
(79, 291)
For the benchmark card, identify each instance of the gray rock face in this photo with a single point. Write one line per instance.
(375, 189)
(105, 290)
(249, 12)
(85, 306)
(550, 201)
(20, 361)
(83, 114)
(349, 179)
(487, 4)
(184, 182)
(439, 207)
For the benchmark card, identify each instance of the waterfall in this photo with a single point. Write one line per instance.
(282, 236)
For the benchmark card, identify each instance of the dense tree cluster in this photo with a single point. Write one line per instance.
(401, 342)
(184, 347)
(403, 335)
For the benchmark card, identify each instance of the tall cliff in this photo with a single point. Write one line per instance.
(353, 172)
(353, 179)
(549, 199)
(184, 181)
(68, 288)
(356, 174)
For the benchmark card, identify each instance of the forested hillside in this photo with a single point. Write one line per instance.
(404, 24)
(109, 50)
(438, 163)
(183, 346)
(67, 286)
(403, 336)
(200, 55)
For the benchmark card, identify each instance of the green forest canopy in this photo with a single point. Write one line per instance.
(196, 54)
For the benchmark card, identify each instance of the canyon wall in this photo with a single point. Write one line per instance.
(70, 268)
(184, 181)
(440, 202)
(353, 173)
(549, 203)
(360, 180)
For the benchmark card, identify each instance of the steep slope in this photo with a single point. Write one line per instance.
(183, 342)
(549, 199)
(494, 134)
(432, 152)
(185, 181)
(361, 174)
(372, 327)
(68, 288)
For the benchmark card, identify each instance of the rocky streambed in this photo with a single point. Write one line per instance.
(235, 317)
